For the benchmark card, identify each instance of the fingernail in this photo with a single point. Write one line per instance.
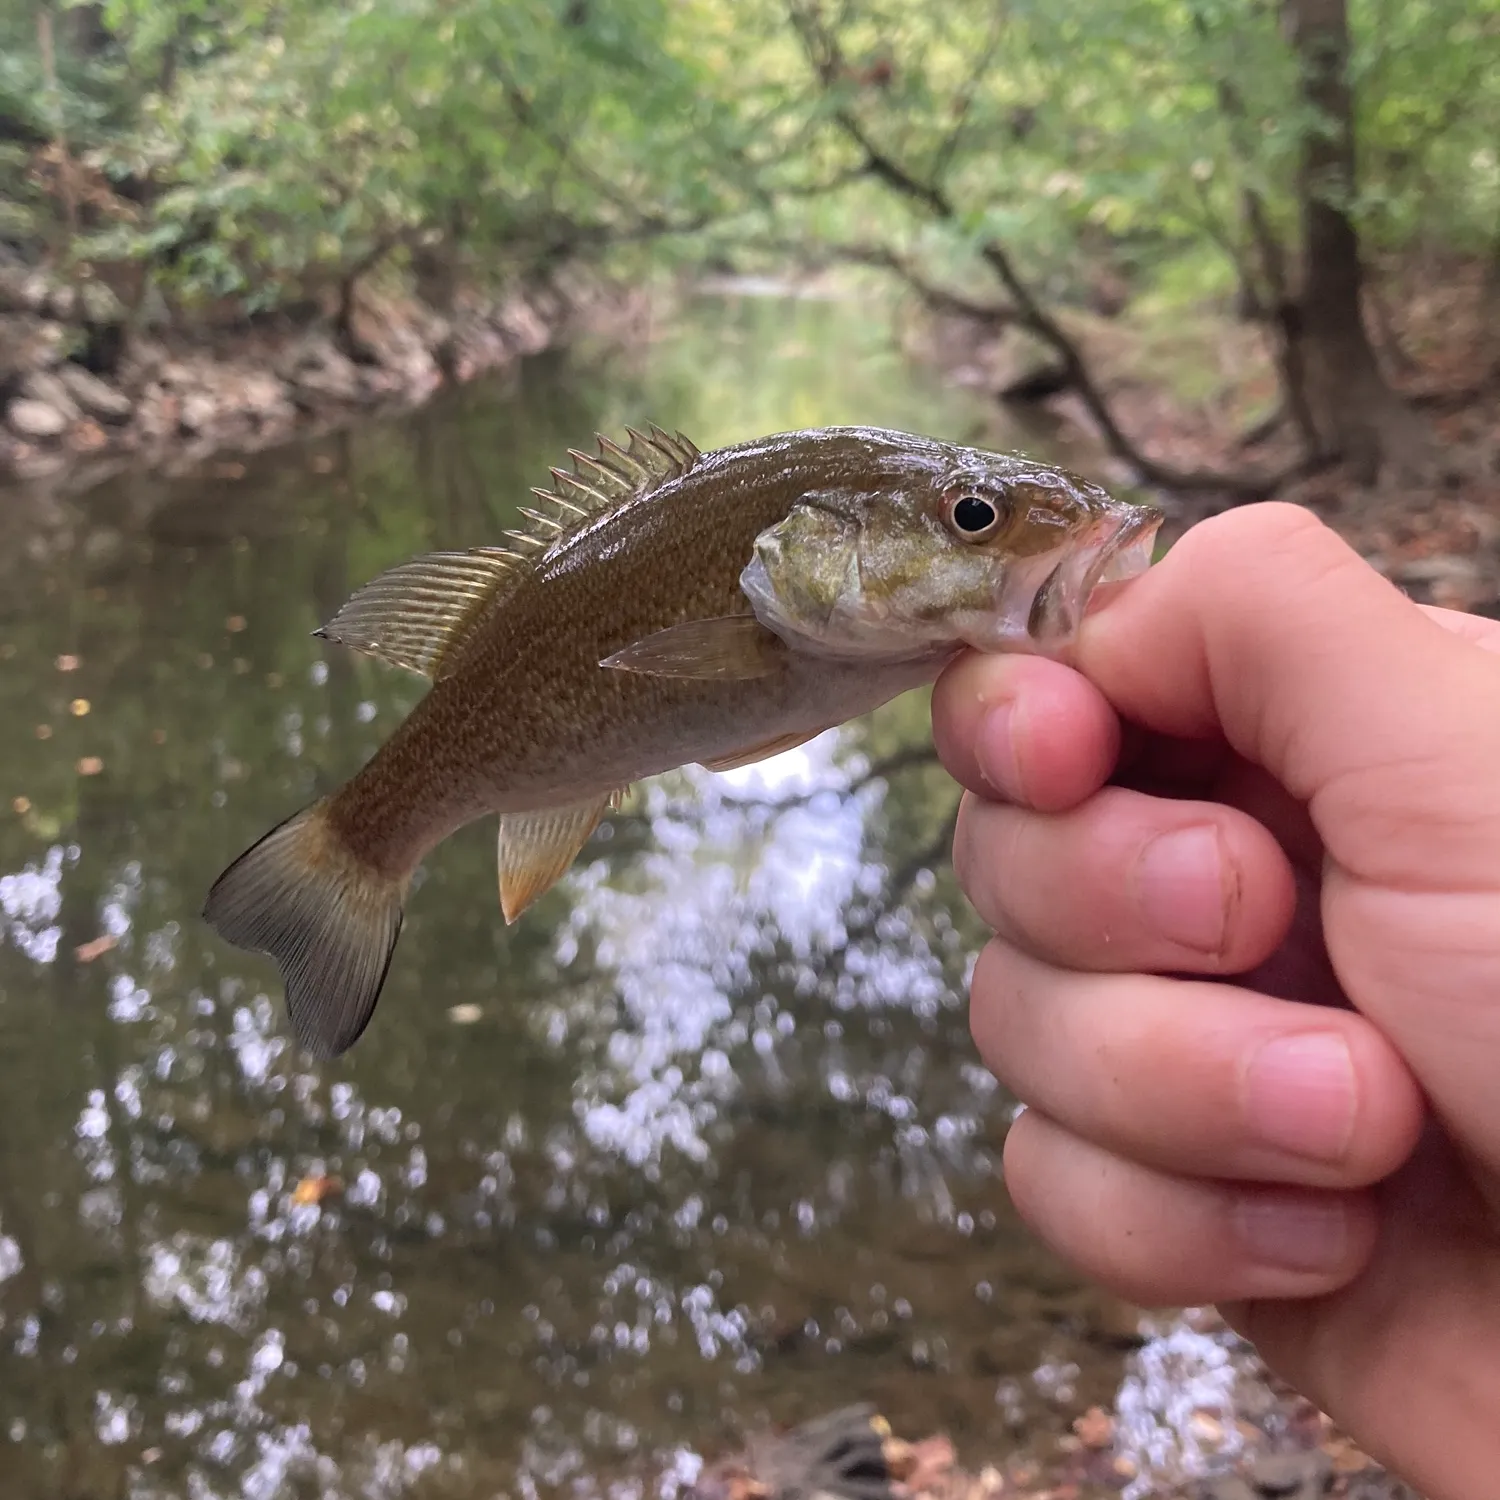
(1299, 1094)
(1182, 888)
(1307, 1236)
(995, 751)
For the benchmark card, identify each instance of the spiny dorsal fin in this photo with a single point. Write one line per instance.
(412, 615)
(600, 481)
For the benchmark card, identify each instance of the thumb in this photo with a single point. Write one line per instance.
(1264, 628)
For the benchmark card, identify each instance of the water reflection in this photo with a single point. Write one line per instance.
(700, 1142)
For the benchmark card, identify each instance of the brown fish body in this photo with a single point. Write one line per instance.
(667, 607)
(527, 716)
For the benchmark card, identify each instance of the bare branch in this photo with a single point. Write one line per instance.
(939, 298)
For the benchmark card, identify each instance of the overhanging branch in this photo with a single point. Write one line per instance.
(825, 58)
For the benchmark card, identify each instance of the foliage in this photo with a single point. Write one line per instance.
(262, 151)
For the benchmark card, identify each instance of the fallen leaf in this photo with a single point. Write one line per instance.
(90, 765)
(1095, 1428)
(1207, 1427)
(86, 953)
(316, 1189)
(919, 1467)
(87, 437)
(67, 663)
(1347, 1459)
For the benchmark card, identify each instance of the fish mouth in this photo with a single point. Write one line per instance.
(1126, 554)
(1061, 602)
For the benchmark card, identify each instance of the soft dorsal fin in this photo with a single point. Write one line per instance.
(413, 615)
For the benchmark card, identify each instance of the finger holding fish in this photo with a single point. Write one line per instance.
(1126, 882)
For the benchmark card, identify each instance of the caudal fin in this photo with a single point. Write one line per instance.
(328, 919)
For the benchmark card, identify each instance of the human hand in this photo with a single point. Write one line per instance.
(1304, 794)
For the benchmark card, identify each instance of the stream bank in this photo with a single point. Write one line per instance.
(80, 400)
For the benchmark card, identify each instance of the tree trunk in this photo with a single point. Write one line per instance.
(1359, 418)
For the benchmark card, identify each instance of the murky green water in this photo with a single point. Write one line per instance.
(701, 1142)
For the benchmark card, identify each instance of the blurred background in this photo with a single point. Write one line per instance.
(290, 292)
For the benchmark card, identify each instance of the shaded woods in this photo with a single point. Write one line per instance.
(1295, 209)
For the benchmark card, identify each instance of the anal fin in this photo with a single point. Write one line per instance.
(763, 751)
(538, 846)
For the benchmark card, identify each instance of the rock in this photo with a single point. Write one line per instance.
(23, 291)
(28, 343)
(197, 412)
(265, 399)
(62, 303)
(1223, 1487)
(523, 327)
(95, 397)
(1439, 569)
(318, 369)
(99, 303)
(43, 386)
(1291, 1476)
(29, 418)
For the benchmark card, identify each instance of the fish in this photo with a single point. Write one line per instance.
(662, 606)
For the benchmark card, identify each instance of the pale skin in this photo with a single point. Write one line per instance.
(1260, 726)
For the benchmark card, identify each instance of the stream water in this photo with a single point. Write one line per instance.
(701, 1143)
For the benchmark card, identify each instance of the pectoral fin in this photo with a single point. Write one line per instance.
(731, 648)
(763, 751)
(537, 847)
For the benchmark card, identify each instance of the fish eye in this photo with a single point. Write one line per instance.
(972, 517)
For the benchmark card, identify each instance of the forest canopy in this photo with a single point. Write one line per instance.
(1010, 157)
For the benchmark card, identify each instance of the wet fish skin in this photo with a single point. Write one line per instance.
(702, 579)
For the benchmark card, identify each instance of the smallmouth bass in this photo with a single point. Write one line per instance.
(664, 606)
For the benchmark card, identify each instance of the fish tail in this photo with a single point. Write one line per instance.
(328, 918)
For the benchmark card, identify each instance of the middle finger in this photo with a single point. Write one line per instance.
(1128, 882)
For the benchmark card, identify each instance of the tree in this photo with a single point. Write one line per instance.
(1357, 415)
